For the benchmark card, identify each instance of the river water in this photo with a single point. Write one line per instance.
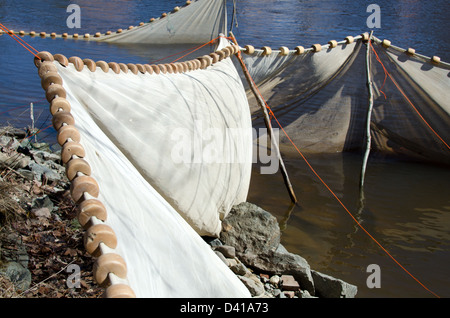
(405, 205)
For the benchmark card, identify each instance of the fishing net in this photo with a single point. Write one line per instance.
(198, 22)
(411, 114)
(158, 154)
(158, 141)
(320, 97)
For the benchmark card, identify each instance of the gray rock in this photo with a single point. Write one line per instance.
(255, 288)
(226, 250)
(283, 262)
(14, 160)
(7, 138)
(41, 156)
(27, 174)
(41, 146)
(5, 159)
(17, 274)
(56, 167)
(276, 292)
(255, 234)
(42, 202)
(15, 251)
(22, 256)
(22, 162)
(8, 142)
(330, 287)
(41, 171)
(239, 269)
(250, 229)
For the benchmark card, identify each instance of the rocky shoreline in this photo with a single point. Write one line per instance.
(40, 236)
(250, 245)
(39, 233)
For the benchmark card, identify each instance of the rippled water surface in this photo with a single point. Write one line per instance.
(405, 205)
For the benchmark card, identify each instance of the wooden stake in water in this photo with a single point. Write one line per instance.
(274, 144)
(369, 114)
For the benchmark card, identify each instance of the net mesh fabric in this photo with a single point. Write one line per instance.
(411, 106)
(156, 205)
(313, 95)
(321, 99)
(198, 22)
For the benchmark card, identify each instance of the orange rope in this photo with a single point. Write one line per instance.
(20, 41)
(195, 49)
(15, 36)
(153, 62)
(329, 189)
(192, 49)
(404, 95)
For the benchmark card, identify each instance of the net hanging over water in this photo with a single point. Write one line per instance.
(120, 127)
(128, 123)
(320, 95)
(197, 22)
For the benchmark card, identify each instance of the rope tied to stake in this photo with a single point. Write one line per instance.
(324, 183)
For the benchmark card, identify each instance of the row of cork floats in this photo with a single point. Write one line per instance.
(110, 270)
(87, 36)
(201, 62)
(298, 50)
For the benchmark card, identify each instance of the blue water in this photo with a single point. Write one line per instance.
(406, 205)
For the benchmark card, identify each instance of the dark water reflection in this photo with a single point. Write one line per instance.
(406, 205)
